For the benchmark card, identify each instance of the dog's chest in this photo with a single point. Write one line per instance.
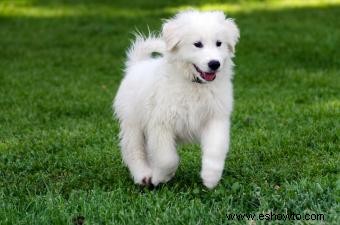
(189, 121)
(188, 110)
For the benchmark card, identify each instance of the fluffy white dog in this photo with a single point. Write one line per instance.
(184, 95)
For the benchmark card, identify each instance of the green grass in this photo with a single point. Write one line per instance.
(61, 64)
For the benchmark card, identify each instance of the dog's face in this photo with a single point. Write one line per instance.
(203, 41)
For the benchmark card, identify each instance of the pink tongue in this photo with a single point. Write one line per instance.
(209, 76)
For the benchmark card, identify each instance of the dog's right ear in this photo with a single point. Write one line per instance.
(170, 34)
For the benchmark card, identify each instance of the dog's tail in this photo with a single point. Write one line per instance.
(144, 48)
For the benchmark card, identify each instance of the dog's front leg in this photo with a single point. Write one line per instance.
(162, 154)
(215, 144)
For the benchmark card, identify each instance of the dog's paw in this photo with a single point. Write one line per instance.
(143, 177)
(210, 178)
(146, 181)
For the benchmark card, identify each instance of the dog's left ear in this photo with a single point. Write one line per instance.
(233, 34)
(170, 34)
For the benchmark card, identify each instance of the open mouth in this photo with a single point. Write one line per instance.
(207, 76)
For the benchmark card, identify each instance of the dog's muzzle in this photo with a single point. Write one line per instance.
(206, 76)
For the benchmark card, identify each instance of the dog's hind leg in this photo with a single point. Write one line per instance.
(134, 155)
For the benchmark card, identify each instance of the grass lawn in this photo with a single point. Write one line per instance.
(61, 63)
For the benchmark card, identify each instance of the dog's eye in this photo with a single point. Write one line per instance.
(218, 43)
(198, 44)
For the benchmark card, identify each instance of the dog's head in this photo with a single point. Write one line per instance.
(202, 41)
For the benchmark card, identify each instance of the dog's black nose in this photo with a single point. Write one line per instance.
(214, 64)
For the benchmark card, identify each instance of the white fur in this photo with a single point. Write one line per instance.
(158, 104)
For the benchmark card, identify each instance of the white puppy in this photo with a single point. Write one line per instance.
(184, 95)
